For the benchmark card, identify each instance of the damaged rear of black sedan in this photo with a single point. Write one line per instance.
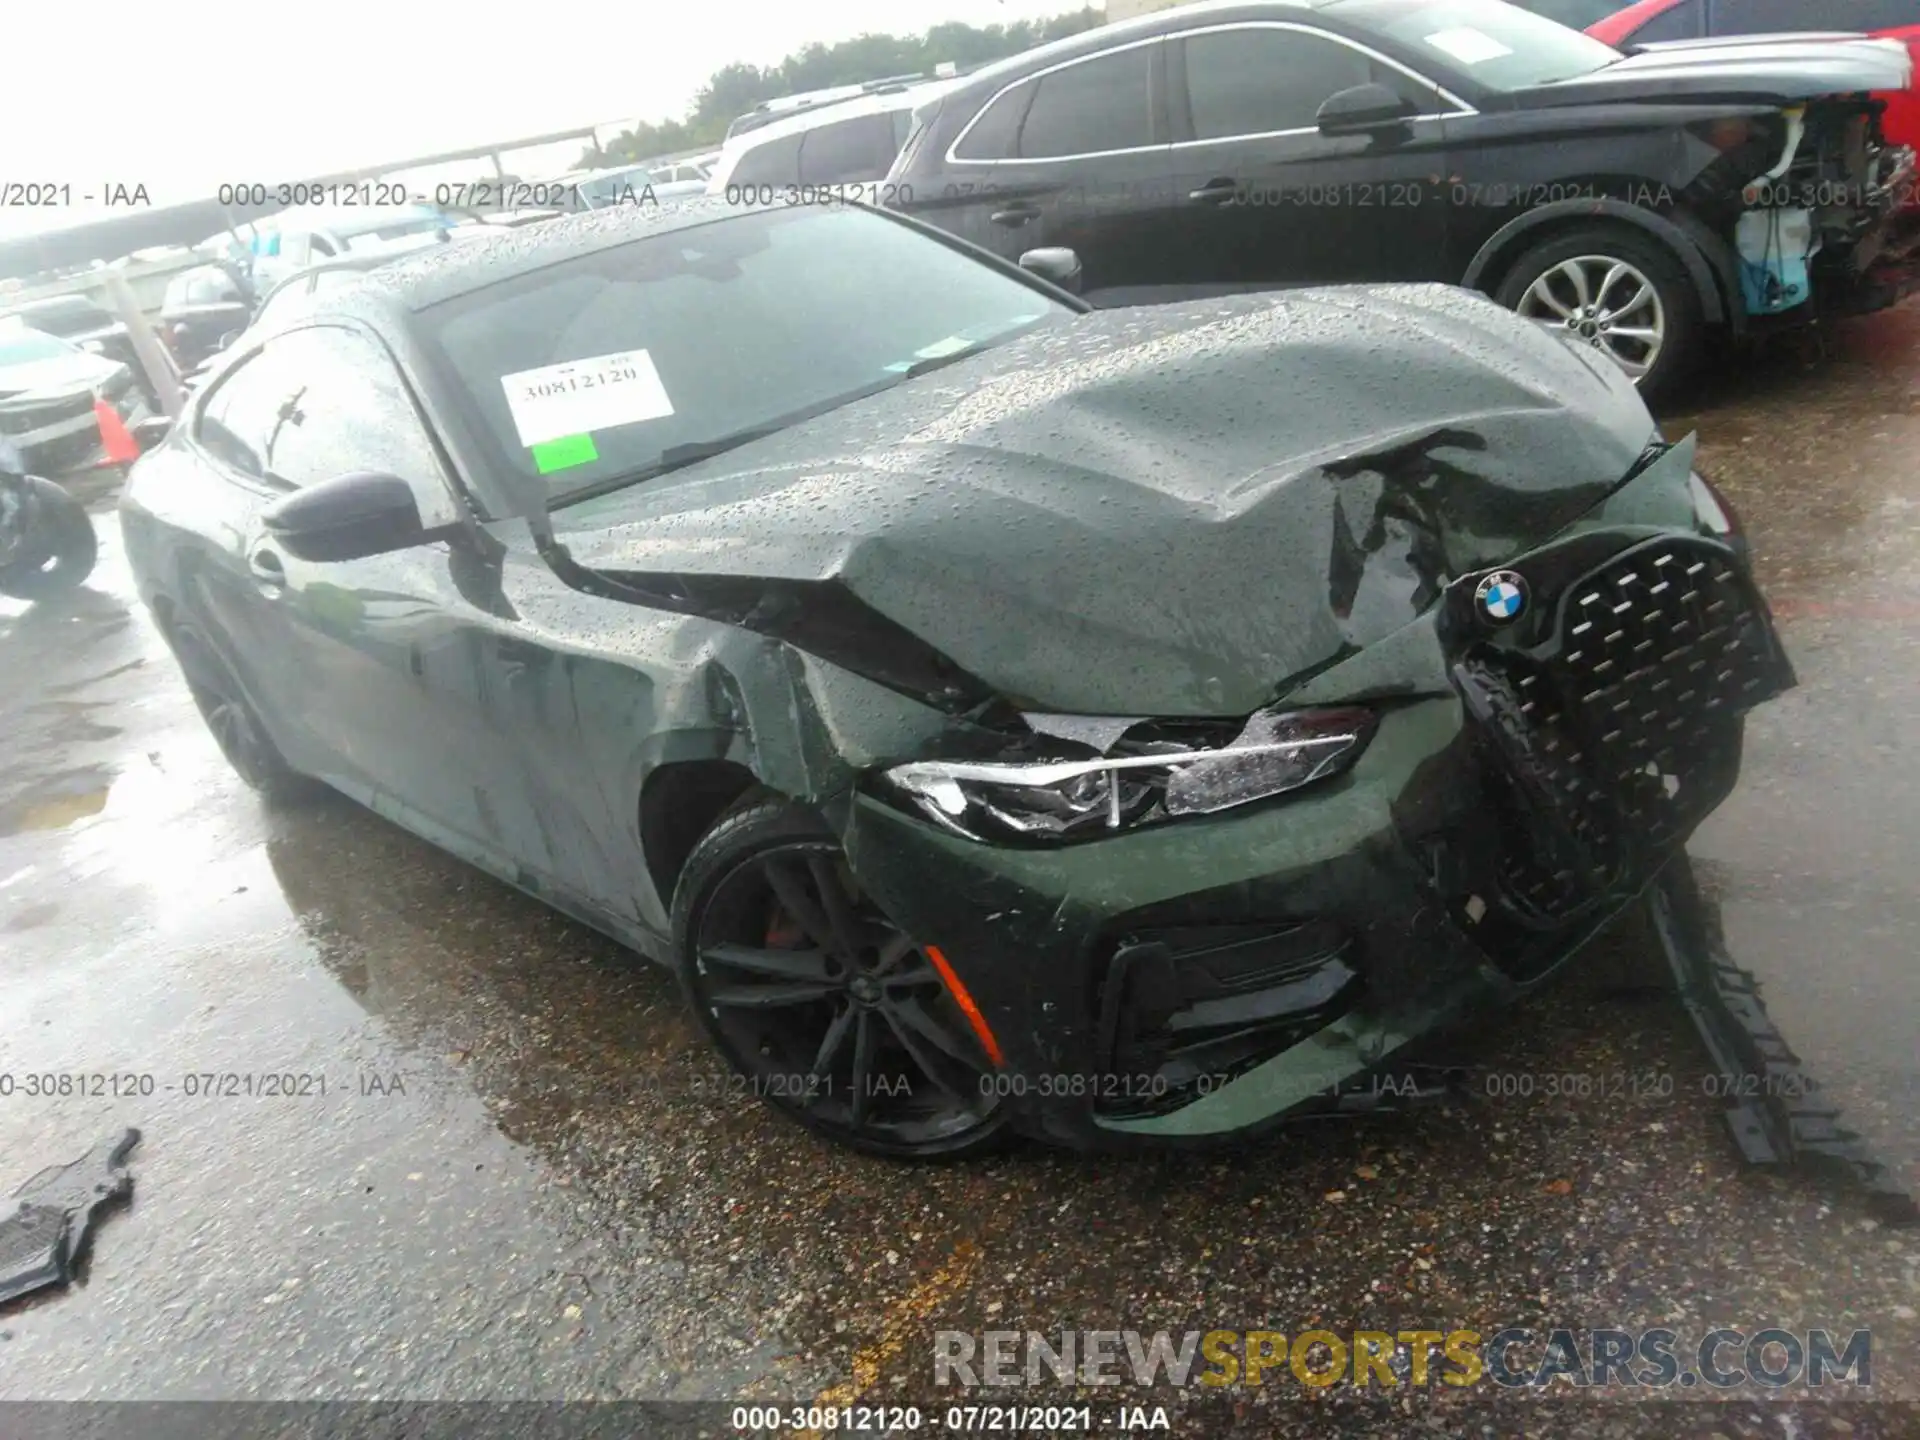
(1126, 726)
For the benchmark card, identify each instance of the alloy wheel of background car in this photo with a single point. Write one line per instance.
(821, 1003)
(1605, 302)
(1619, 291)
(236, 728)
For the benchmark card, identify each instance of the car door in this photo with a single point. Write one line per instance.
(231, 428)
(1266, 197)
(423, 691)
(1076, 155)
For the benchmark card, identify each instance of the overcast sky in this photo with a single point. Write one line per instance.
(185, 98)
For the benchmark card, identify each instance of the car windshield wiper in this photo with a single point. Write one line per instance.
(934, 362)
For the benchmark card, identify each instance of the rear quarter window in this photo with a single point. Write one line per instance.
(995, 133)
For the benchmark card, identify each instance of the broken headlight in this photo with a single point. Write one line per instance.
(1063, 799)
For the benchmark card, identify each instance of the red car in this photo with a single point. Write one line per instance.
(1650, 22)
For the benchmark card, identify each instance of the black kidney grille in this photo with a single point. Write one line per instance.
(1625, 733)
(1664, 647)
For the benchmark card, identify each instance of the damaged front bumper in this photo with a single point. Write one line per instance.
(1208, 978)
(1828, 231)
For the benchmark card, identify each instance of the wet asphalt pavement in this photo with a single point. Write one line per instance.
(525, 1179)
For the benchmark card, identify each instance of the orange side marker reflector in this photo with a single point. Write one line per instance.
(965, 1002)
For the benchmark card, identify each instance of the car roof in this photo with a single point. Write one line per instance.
(876, 102)
(346, 220)
(416, 280)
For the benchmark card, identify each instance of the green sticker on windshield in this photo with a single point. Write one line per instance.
(563, 454)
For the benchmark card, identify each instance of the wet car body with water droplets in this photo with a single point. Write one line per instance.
(1118, 726)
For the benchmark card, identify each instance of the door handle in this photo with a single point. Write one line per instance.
(1016, 215)
(267, 569)
(1215, 192)
(517, 657)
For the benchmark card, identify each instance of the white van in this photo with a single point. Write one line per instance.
(306, 235)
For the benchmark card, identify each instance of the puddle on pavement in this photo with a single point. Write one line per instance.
(76, 721)
(57, 802)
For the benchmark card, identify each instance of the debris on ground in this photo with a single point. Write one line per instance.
(1776, 1111)
(46, 1236)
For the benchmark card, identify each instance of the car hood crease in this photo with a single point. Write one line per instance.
(1173, 510)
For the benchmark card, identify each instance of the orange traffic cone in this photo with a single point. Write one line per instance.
(115, 438)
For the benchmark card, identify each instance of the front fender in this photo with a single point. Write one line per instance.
(1708, 260)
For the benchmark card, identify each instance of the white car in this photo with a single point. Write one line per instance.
(845, 142)
(47, 391)
(636, 185)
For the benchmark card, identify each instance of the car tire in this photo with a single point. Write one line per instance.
(66, 551)
(856, 1038)
(235, 724)
(1546, 280)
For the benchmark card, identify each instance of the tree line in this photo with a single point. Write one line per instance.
(735, 89)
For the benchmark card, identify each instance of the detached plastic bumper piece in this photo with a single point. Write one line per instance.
(46, 1236)
(1778, 1117)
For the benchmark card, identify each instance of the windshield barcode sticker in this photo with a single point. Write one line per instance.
(1468, 46)
(581, 396)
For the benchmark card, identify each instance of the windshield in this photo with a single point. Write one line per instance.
(21, 346)
(603, 369)
(1491, 42)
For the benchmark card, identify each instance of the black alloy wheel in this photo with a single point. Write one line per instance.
(823, 1006)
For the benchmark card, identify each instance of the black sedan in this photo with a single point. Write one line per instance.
(204, 309)
(1638, 203)
(1123, 726)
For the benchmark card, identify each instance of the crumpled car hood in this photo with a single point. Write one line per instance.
(1173, 510)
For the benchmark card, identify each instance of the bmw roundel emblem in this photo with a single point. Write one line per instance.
(1502, 597)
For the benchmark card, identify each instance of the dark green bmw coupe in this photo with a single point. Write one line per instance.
(1120, 726)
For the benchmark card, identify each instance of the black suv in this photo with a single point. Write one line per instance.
(1635, 201)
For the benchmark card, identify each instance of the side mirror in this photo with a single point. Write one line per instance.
(150, 430)
(1055, 263)
(349, 517)
(1361, 108)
